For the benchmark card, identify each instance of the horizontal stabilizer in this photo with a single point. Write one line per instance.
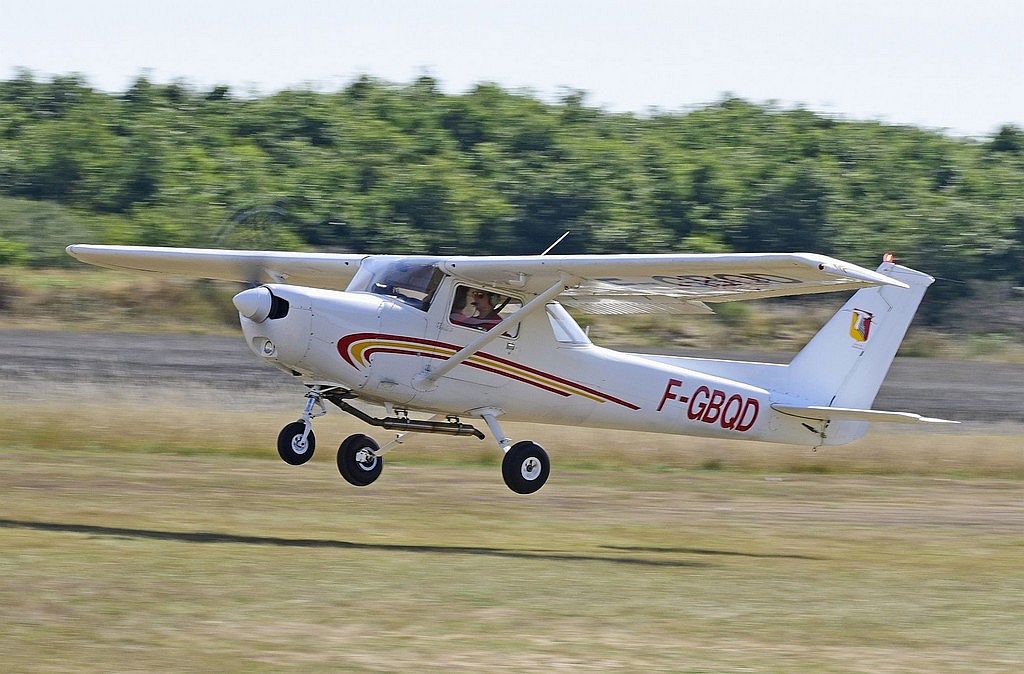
(822, 413)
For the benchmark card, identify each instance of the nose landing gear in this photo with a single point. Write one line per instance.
(296, 442)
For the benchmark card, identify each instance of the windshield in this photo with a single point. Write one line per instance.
(413, 283)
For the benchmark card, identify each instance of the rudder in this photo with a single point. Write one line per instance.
(845, 363)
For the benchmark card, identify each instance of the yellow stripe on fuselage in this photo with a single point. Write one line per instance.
(413, 348)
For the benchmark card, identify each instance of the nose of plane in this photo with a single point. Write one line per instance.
(254, 303)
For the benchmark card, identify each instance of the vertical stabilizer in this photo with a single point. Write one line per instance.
(845, 363)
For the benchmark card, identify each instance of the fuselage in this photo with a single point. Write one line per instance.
(545, 370)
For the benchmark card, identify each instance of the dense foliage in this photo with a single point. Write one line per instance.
(378, 167)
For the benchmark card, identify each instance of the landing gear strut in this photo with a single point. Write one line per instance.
(360, 458)
(525, 467)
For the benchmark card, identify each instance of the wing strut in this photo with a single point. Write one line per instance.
(427, 377)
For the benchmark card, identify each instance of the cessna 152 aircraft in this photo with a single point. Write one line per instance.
(489, 338)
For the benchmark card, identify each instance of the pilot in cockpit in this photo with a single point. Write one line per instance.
(475, 309)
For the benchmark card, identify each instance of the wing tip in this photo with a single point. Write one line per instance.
(848, 270)
(876, 278)
(80, 251)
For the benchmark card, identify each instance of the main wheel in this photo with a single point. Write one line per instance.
(358, 462)
(525, 467)
(292, 447)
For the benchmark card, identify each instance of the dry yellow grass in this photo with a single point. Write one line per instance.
(176, 425)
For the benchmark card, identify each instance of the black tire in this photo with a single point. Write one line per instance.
(355, 472)
(290, 447)
(525, 467)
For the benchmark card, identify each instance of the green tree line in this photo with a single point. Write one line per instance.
(380, 167)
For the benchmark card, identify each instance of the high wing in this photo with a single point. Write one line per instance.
(319, 270)
(683, 283)
(597, 284)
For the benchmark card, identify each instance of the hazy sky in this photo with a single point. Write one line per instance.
(947, 64)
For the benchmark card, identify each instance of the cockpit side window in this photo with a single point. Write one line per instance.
(482, 309)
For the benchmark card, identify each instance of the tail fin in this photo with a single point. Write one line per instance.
(845, 363)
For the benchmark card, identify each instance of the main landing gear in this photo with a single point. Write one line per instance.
(358, 460)
(525, 466)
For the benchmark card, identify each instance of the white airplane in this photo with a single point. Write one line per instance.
(484, 337)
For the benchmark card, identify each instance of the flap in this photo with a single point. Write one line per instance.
(624, 305)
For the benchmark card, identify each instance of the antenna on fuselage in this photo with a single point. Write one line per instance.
(558, 241)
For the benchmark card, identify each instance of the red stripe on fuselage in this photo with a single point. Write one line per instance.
(479, 366)
(348, 340)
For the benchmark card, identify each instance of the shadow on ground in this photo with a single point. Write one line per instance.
(709, 551)
(217, 537)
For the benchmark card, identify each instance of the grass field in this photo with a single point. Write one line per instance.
(121, 561)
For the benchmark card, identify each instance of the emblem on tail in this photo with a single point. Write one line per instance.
(860, 325)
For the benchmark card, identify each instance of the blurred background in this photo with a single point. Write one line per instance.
(476, 163)
(379, 167)
(283, 127)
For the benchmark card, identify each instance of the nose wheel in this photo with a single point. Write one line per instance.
(296, 443)
(358, 461)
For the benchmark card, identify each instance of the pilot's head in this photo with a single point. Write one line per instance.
(482, 301)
